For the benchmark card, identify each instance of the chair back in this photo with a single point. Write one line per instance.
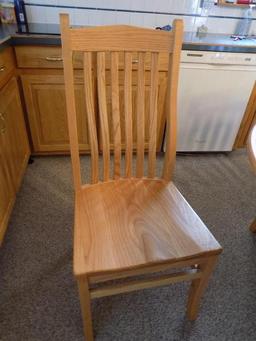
(127, 116)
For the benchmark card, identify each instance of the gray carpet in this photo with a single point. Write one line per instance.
(38, 295)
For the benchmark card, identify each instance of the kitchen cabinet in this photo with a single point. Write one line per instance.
(46, 109)
(43, 86)
(14, 149)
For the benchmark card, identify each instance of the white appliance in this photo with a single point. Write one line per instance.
(214, 89)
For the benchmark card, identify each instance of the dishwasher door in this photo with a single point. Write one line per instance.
(212, 99)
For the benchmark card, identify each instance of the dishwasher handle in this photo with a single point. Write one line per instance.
(198, 55)
(217, 66)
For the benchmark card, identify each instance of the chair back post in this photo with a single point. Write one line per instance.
(171, 101)
(70, 99)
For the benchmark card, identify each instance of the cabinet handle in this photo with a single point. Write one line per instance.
(54, 59)
(135, 61)
(3, 128)
(2, 68)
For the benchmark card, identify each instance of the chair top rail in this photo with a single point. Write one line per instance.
(120, 38)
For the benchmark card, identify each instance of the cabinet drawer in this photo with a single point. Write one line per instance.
(43, 57)
(162, 61)
(7, 64)
(50, 58)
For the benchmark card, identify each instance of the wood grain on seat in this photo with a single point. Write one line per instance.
(127, 223)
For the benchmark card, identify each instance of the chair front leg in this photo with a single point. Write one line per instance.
(198, 286)
(85, 302)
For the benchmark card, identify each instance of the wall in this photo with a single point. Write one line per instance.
(149, 13)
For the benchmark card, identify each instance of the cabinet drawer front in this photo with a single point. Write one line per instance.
(45, 57)
(7, 64)
(162, 63)
(50, 57)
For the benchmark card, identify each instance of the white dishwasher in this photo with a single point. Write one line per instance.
(214, 89)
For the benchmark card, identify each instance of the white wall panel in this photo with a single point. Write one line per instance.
(101, 17)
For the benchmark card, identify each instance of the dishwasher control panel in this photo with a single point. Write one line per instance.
(206, 57)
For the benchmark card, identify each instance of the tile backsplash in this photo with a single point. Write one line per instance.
(148, 13)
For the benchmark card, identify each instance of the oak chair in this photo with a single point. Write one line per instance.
(130, 224)
(251, 148)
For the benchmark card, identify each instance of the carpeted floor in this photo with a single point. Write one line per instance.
(38, 295)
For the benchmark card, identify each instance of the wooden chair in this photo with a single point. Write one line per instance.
(133, 224)
(251, 147)
(247, 122)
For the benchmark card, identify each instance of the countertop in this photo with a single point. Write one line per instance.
(48, 34)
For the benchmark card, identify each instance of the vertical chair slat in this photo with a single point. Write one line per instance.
(89, 99)
(115, 113)
(128, 113)
(140, 115)
(153, 115)
(101, 77)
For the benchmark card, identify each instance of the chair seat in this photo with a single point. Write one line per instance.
(129, 223)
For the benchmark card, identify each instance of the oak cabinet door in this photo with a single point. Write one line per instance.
(46, 109)
(7, 195)
(14, 149)
(15, 146)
